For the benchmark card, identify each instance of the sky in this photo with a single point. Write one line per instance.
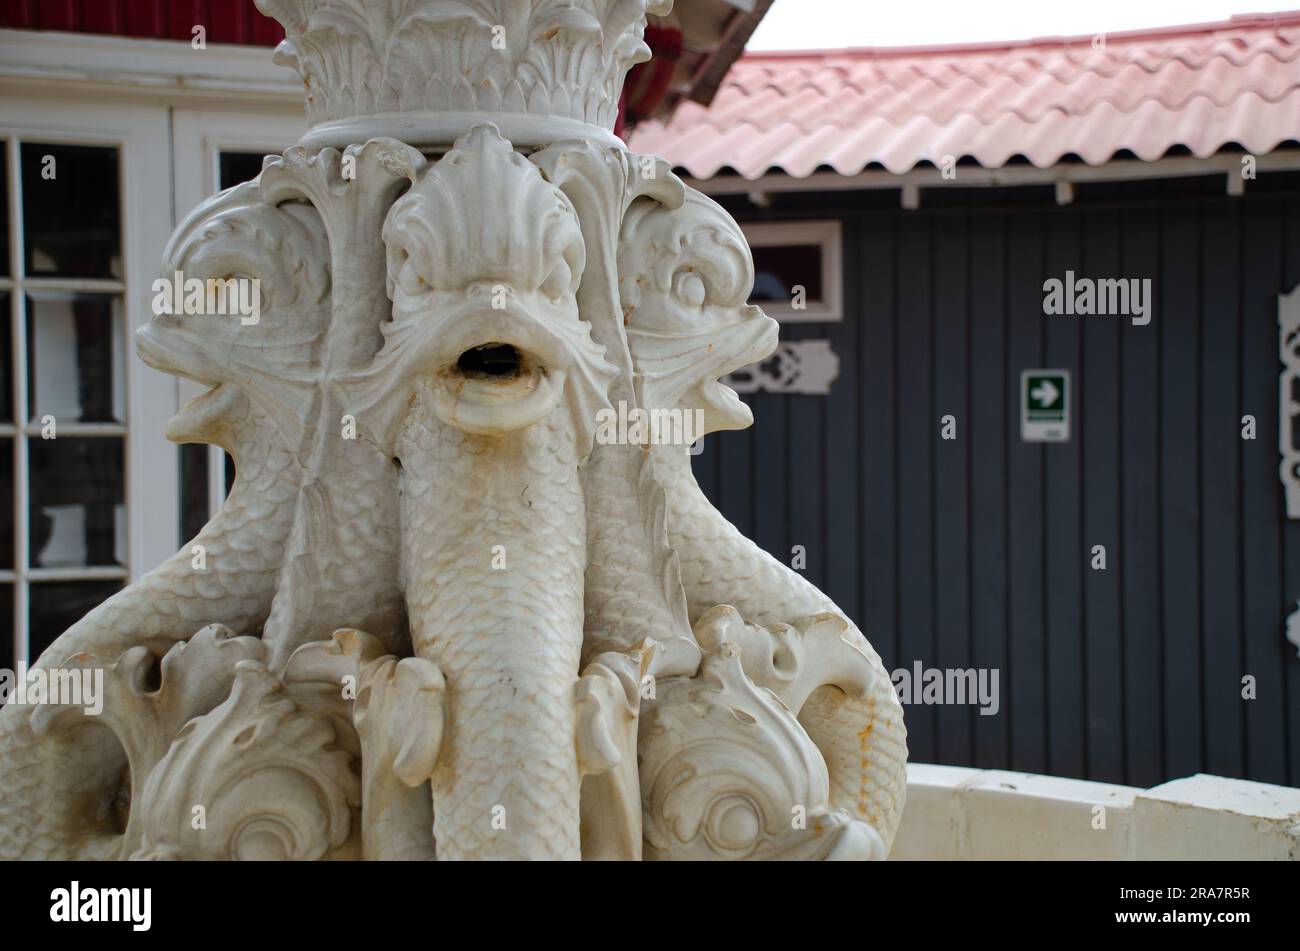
(828, 24)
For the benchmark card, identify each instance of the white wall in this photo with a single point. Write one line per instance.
(956, 813)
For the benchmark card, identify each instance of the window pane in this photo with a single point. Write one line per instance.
(194, 489)
(54, 606)
(71, 216)
(76, 355)
(237, 167)
(6, 627)
(778, 268)
(4, 209)
(7, 509)
(78, 512)
(6, 360)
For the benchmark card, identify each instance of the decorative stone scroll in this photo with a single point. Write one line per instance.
(437, 617)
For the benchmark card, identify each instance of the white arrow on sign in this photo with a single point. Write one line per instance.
(1046, 393)
(1044, 405)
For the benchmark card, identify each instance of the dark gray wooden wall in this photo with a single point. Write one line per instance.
(975, 553)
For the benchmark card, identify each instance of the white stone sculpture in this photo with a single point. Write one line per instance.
(438, 617)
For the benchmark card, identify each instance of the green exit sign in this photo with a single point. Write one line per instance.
(1045, 405)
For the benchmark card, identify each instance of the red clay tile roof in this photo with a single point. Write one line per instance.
(1201, 87)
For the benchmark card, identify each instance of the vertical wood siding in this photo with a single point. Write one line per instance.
(976, 552)
(226, 21)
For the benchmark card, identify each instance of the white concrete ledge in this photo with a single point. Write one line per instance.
(956, 813)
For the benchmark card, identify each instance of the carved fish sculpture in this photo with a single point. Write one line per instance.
(551, 699)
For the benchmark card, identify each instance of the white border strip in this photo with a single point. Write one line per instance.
(1228, 164)
(152, 67)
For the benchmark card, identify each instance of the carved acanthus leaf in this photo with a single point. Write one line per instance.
(400, 714)
(603, 183)
(400, 717)
(194, 677)
(728, 772)
(352, 191)
(535, 65)
(262, 776)
(791, 660)
(609, 696)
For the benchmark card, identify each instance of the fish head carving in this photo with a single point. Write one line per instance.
(243, 304)
(685, 275)
(484, 261)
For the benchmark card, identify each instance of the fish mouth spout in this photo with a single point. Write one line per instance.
(498, 372)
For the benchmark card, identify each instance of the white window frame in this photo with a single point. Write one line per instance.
(828, 235)
(170, 110)
(151, 493)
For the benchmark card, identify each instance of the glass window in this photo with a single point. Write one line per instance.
(6, 638)
(6, 359)
(237, 167)
(797, 270)
(194, 489)
(71, 219)
(63, 340)
(76, 357)
(54, 606)
(4, 209)
(779, 268)
(78, 509)
(6, 518)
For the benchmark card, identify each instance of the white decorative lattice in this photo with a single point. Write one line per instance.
(1288, 394)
